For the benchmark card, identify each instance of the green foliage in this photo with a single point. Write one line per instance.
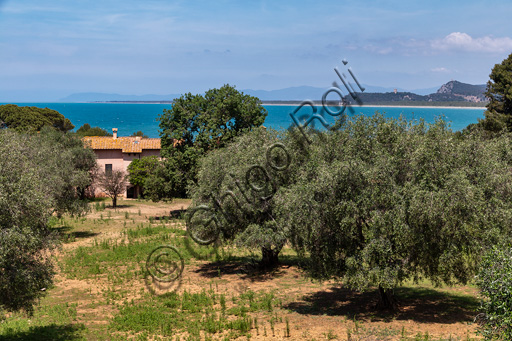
(120, 259)
(49, 322)
(384, 200)
(31, 119)
(499, 91)
(175, 313)
(195, 125)
(238, 183)
(39, 175)
(87, 130)
(139, 133)
(72, 178)
(24, 211)
(495, 282)
(140, 169)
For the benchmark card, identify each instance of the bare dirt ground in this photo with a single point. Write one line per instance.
(315, 310)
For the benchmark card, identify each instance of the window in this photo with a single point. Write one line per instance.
(108, 169)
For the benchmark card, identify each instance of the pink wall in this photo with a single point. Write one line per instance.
(110, 156)
(118, 160)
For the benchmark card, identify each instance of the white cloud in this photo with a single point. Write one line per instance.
(460, 41)
(440, 69)
(383, 50)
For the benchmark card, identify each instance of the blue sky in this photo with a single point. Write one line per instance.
(54, 48)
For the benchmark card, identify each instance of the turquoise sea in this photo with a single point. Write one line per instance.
(129, 118)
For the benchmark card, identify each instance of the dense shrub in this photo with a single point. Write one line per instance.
(139, 170)
(495, 282)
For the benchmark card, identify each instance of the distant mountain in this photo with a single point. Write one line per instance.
(103, 97)
(471, 93)
(299, 93)
(451, 91)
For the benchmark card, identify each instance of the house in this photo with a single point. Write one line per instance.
(116, 153)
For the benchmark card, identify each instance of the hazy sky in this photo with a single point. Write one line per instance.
(50, 49)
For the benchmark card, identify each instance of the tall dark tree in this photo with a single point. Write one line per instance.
(195, 125)
(499, 92)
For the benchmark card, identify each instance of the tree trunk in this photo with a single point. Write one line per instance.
(114, 201)
(269, 258)
(81, 193)
(387, 299)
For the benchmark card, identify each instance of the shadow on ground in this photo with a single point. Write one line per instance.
(243, 268)
(83, 234)
(63, 233)
(417, 304)
(51, 332)
(173, 214)
(118, 206)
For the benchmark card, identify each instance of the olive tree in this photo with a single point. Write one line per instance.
(233, 198)
(38, 177)
(382, 200)
(71, 180)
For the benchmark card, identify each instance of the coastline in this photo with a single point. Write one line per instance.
(291, 104)
(383, 106)
(276, 104)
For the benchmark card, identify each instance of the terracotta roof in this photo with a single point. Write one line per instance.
(128, 144)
